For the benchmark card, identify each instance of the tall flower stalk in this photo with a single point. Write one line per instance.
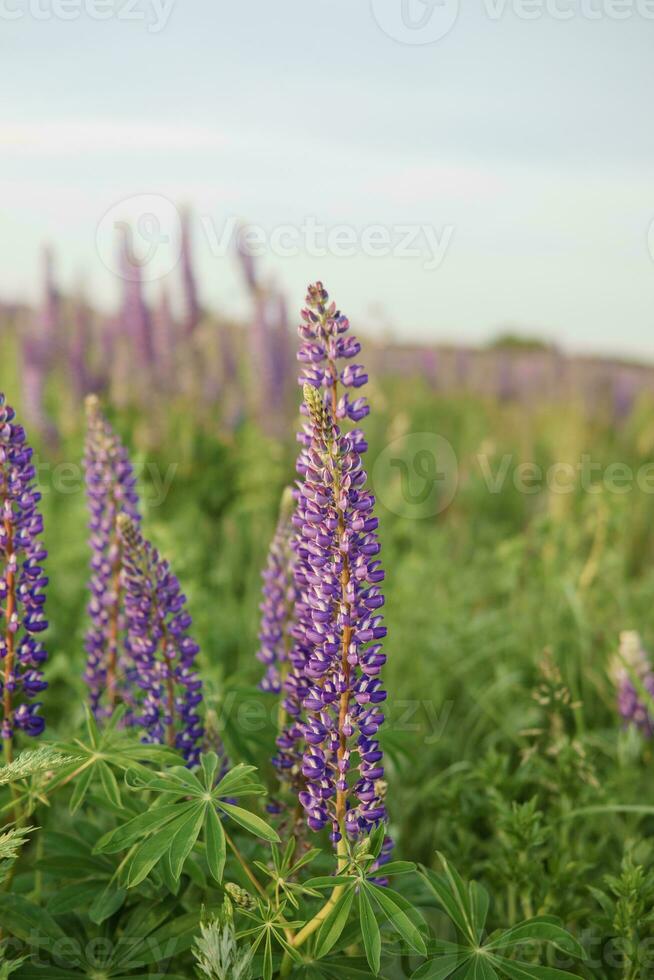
(633, 675)
(111, 491)
(279, 597)
(333, 691)
(165, 685)
(22, 585)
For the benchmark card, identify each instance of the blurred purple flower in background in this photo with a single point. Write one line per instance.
(111, 491)
(633, 675)
(165, 686)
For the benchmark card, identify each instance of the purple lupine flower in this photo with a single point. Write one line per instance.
(78, 355)
(166, 687)
(333, 691)
(22, 584)
(633, 674)
(246, 260)
(39, 348)
(165, 330)
(111, 490)
(192, 312)
(50, 314)
(135, 320)
(279, 597)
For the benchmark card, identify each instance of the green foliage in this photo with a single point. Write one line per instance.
(466, 905)
(217, 951)
(508, 758)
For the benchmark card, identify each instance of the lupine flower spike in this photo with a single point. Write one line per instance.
(111, 490)
(633, 675)
(279, 597)
(22, 584)
(333, 691)
(166, 687)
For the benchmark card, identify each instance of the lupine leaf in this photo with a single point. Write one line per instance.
(370, 932)
(398, 918)
(528, 971)
(250, 821)
(238, 782)
(215, 844)
(397, 868)
(539, 929)
(441, 889)
(440, 968)
(479, 968)
(479, 902)
(150, 852)
(209, 763)
(185, 838)
(109, 784)
(106, 903)
(329, 881)
(81, 787)
(128, 833)
(335, 922)
(76, 896)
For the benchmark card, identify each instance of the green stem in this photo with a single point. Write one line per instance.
(320, 916)
(246, 867)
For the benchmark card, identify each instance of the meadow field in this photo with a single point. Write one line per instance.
(518, 547)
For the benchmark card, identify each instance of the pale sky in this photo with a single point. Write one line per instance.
(511, 157)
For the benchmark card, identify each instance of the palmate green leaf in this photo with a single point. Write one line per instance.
(397, 868)
(460, 895)
(153, 819)
(167, 783)
(479, 968)
(250, 821)
(185, 839)
(110, 784)
(332, 968)
(398, 918)
(516, 970)
(28, 922)
(214, 836)
(155, 946)
(479, 902)
(335, 922)
(76, 896)
(81, 786)
(329, 881)
(108, 901)
(153, 848)
(442, 966)
(238, 782)
(370, 932)
(539, 929)
(441, 889)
